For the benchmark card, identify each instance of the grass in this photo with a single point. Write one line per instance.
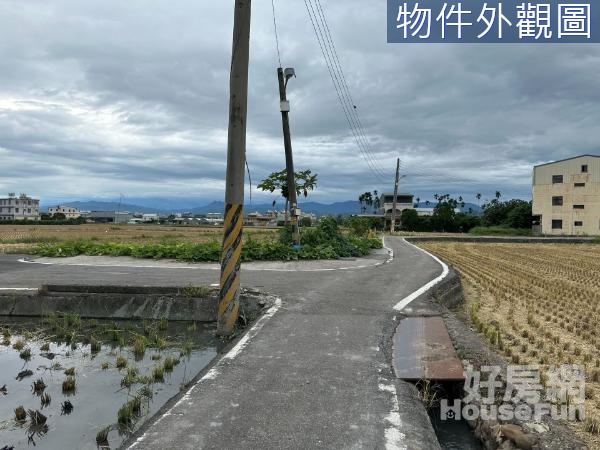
(197, 291)
(121, 362)
(129, 411)
(70, 371)
(536, 304)
(25, 354)
(169, 363)
(18, 238)
(19, 344)
(500, 231)
(139, 346)
(158, 374)
(102, 437)
(68, 385)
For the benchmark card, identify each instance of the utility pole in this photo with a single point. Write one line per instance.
(283, 77)
(234, 183)
(397, 182)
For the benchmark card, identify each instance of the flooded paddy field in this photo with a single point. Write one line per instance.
(67, 382)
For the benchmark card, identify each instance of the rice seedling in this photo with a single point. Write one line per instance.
(130, 378)
(19, 344)
(158, 374)
(68, 385)
(102, 437)
(95, 346)
(104, 366)
(70, 371)
(25, 354)
(169, 363)
(38, 386)
(20, 414)
(45, 347)
(139, 346)
(121, 362)
(187, 348)
(45, 400)
(129, 410)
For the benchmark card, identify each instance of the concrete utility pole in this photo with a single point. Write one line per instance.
(397, 182)
(283, 77)
(236, 158)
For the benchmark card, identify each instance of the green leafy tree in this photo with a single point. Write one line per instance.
(306, 181)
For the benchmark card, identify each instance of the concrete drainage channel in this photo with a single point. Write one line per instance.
(425, 344)
(190, 303)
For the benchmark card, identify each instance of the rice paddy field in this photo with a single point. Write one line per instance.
(537, 304)
(21, 238)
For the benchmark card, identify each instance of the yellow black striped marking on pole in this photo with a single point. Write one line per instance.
(231, 256)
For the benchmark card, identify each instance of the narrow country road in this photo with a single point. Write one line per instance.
(314, 376)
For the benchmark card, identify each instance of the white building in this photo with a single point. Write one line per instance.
(22, 207)
(68, 211)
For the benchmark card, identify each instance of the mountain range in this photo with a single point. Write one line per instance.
(162, 207)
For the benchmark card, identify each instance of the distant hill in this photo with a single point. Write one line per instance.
(343, 208)
(110, 206)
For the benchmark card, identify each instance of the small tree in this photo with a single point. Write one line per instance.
(305, 181)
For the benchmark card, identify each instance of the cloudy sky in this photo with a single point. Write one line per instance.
(102, 97)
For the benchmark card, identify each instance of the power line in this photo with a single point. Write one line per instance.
(347, 105)
(344, 84)
(276, 34)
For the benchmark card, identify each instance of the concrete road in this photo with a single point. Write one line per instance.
(315, 376)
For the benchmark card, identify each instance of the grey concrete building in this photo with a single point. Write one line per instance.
(566, 196)
(22, 207)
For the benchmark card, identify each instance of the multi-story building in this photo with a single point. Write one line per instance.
(566, 196)
(403, 201)
(22, 207)
(68, 211)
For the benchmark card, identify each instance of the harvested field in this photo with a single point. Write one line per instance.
(20, 238)
(537, 304)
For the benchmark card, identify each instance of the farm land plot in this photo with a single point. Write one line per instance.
(537, 304)
(20, 238)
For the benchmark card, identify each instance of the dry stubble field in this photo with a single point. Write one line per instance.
(538, 304)
(20, 238)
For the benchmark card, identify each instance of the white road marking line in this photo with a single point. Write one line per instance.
(394, 438)
(17, 289)
(215, 267)
(408, 299)
(214, 371)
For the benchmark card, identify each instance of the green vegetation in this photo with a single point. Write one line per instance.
(325, 241)
(25, 353)
(500, 231)
(196, 291)
(444, 218)
(70, 371)
(169, 363)
(129, 410)
(158, 374)
(19, 345)
(102, 437)
(121, 362)
(139, 345)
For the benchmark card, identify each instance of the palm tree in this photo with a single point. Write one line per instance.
(478, 197)
(418, 201)
(376, 202)
(498, 195)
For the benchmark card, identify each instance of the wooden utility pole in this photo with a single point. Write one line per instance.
(395, 202)
(289, 160)
(234, 184)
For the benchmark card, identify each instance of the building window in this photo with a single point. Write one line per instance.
(578, 223)
(557, 179)
(557, 224)
(584, 168)
(578, 206)
(16, 210)
(557, 201)
(579, 184)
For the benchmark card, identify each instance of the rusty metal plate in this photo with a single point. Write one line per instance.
(423, 350)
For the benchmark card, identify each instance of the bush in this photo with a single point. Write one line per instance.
(325, 241)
